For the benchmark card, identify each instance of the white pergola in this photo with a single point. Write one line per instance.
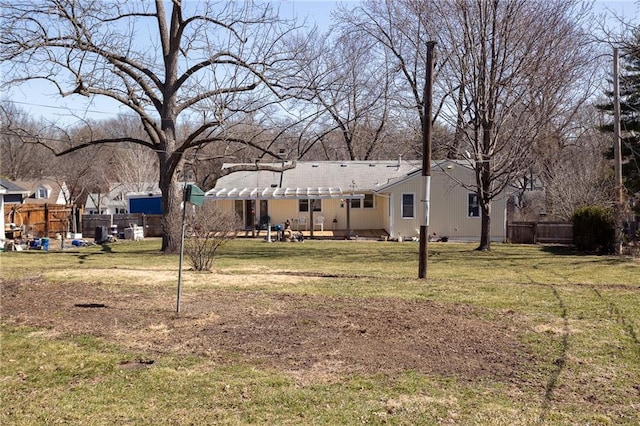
(277, 193)
(281, 193)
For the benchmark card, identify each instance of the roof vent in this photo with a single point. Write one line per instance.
(343, 165)
(371, 165)
(274, 185)
(314, 165)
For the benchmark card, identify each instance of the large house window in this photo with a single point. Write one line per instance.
(408, 206)
(303, 205)
(355, 203)
(473, 207)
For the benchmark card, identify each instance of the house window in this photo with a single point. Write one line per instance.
(367, 203)
(303, 205)
(42, 193)
(408, 206)
(473, 207)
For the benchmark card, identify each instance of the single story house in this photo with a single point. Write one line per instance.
(360, 195)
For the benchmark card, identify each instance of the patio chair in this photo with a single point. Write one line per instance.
(302, 221)
(319, 222)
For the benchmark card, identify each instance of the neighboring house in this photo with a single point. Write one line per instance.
(353, 195)
(45, 210)
(104, 204)
(13, 193)
(117, 199)
(45, 191)
(10, 193)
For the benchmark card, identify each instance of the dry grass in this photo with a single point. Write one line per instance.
(276, 335)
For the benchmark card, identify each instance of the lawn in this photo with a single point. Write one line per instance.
(320, 332)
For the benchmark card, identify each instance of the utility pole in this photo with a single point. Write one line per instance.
(617, 155)
(427, 101)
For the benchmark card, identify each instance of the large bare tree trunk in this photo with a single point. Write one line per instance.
(171, 206)
(485, 213)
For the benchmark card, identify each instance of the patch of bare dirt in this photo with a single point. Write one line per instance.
(313, 338)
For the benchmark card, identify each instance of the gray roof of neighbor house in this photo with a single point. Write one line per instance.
(55, 191)
(11, 187)
(311, 179)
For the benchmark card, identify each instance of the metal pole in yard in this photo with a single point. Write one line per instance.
(184, 214)
(426, 160)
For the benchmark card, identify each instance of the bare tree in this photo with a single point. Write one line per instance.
(20, 160)
(219, 59)
(574, 170)
(399, 31)
(349, 90)
(209, 228)
(521, 68)
(506, 71)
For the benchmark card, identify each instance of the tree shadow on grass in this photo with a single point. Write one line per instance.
(561, 250)
(560, 361)
(572, 251)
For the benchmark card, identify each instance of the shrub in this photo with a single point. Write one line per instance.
(208, 228)
(594, 229)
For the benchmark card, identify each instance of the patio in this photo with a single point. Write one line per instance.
(365, 234)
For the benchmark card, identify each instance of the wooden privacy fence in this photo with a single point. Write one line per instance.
(151, 223)
(42, 220)
(540, 232)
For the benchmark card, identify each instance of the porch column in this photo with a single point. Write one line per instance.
(311, 205)
(348, 237)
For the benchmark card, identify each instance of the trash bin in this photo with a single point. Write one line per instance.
(101, 234)
(45, 244)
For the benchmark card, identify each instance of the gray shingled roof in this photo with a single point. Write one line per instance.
(349, 176)
(12, 188)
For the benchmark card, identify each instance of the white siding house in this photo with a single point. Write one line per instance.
(454, 211)
(353, 195)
